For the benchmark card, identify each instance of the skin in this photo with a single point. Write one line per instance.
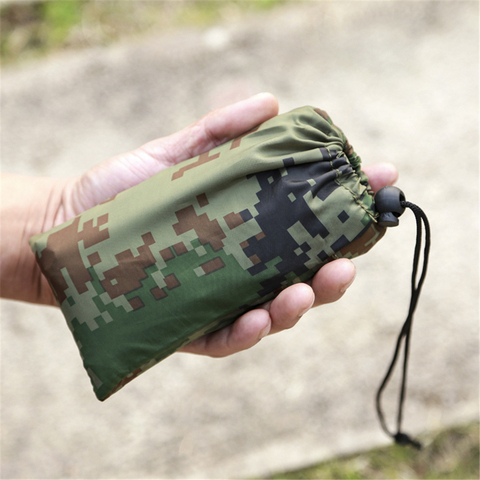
(31, 205)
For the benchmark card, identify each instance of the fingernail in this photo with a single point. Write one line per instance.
(264, 332)
(303, 312)
(345, 287)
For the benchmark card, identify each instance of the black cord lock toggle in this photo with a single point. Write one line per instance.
(389, 204)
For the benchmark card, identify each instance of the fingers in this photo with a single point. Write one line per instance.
(332, 281)
(124, 171)
(289, 306)
(327, 286)
(282, 313)
(226, 123)
(380, 175)
(213, 129)
(244, 333)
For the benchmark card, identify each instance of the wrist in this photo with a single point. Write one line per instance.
(29, 205)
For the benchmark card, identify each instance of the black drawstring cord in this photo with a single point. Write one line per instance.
(399, 437)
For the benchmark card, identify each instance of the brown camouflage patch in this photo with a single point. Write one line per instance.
(171, 281)
(167, 254)
(180, 248)
(94, 259)
(202, 200)
(212, 265)
(203, 158)
(130, 271)
(93, 235)
(255, 260)
(364, 243)
(208, 231)
(233, 220)
(158, 293)
(55, 256)
(136, 303)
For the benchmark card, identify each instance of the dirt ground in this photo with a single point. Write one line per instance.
(401, 79)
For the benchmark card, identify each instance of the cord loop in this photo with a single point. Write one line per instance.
(405, 333)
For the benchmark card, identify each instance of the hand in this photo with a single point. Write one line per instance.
(31, 205)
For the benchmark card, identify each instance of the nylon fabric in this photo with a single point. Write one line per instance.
(191, 249)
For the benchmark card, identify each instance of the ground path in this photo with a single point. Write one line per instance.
(402, 81)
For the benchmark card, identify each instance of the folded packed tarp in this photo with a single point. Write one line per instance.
(189, 250)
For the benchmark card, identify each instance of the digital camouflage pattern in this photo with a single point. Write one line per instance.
(189, 250)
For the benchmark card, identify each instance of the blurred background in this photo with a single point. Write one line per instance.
(85, 80)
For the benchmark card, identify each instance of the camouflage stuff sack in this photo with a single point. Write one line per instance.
(189, 250)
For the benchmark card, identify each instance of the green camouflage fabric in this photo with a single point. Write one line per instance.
(189, 250)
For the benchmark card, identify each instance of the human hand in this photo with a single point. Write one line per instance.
(32, 205)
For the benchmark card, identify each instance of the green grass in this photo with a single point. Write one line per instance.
(33, 28)
(449, 454)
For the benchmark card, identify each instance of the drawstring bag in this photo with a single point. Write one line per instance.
(189, 250)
